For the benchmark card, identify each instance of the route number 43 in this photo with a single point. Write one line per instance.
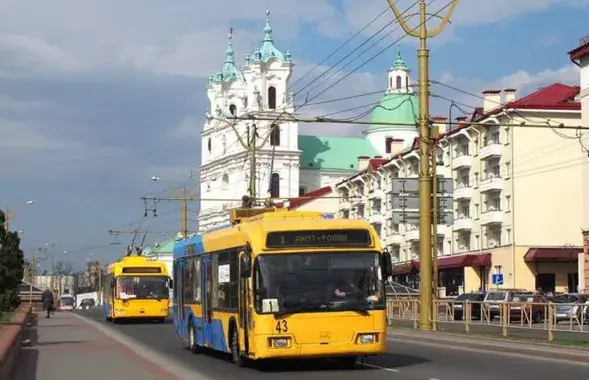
(281, 326)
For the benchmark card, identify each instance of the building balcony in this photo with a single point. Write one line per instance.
(376, 194)
(344, 205)
(463, 192)
(491, 184)
(376, 218)
(491, 217)
(462, 162)
(490, 151)
(358, 201)
(463, 224)
(412, 235)
(394, 238)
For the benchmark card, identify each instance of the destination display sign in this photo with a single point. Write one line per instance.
(142, 270)
(321, 238)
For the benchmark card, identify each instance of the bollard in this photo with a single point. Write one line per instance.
(504, 318)
(550, 322)
(434, 315)
(467, 315)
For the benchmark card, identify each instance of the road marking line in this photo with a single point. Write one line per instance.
(379, 367)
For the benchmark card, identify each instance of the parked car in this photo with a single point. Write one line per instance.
(529, 307)
(571, 306)
(494, 299)
(459, 305)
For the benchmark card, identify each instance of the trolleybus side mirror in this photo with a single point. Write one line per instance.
(171, 283)
(245, 267)
(387, 264)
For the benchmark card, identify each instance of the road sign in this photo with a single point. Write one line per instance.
(497, 278)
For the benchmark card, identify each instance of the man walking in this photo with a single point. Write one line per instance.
(48, 302)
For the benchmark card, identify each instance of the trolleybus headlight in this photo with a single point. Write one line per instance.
(366, 338)
(280, 342)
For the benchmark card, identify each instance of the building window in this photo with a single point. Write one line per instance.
(275, 135)
(507, 202)
(209, 145)
(391, 82)
(275, 185)
(407, 83)
(302, 192)
(225, 179)
(233, 109)
(272, 98)
(399, 82)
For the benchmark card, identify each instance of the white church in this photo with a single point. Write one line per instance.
(288, 164)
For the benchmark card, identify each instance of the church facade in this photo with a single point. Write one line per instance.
(287, 164)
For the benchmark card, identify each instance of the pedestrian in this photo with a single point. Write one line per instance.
(48, 302)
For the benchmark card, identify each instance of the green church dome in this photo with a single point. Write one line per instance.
(399, 108)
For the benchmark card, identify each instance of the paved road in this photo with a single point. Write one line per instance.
(405, 361)
(538, 330)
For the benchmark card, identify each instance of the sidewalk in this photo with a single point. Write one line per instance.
(67, 347)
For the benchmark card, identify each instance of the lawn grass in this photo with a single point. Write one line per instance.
(5, 316)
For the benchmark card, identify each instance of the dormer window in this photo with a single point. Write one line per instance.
(233, 109)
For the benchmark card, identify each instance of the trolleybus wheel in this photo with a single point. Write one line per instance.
(350, 361)
(192, 340)
(238, 359)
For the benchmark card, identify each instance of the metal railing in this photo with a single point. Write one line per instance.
(503, 318)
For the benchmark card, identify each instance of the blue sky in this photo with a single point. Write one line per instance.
(96, 97)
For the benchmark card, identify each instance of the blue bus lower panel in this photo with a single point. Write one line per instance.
(106, 306)
(210, 335)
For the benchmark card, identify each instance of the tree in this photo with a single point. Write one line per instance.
(11, 266)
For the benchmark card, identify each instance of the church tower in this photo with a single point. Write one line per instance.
(399, 104)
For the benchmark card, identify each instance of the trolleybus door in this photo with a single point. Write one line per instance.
(181, 327)
(245, 324)
(207, 299)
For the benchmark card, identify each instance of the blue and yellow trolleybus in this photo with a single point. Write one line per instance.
(282, 284)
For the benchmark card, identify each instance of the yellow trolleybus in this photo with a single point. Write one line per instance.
(282, 284)
(136, 288)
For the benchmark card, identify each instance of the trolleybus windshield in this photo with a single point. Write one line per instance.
(301, 282)
(143, 287)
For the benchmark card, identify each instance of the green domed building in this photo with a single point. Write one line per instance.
(399, 104)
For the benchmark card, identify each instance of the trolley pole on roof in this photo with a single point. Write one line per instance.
(425, 135)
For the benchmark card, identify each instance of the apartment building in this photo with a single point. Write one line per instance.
(515, 197)
(580, 57)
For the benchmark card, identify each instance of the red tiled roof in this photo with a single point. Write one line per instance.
(308, 197)
(579, 51)
(376, 163)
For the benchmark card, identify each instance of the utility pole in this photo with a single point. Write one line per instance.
(184, 198)
(184, 231)
(252, 150)
(424, 132)
(52, 272)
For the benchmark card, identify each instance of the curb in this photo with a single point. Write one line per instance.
(177, 369)
(497, 346)
(11, 340)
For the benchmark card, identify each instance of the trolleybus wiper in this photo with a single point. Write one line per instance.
(300, 308)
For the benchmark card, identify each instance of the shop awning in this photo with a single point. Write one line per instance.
(452, 262)
(407, 268)
(482, 260)
(562, 254)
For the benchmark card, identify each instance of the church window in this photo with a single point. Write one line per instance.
(209, 145)
(275, 185)
(302, 191)
(399, 82)
(233, 109)
(388, 142)
(272, 98)
(407, 83)
(390, 82)
(275, 135)
(225, 179)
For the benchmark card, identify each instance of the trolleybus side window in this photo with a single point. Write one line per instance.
(192, 279)
(226, 279)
